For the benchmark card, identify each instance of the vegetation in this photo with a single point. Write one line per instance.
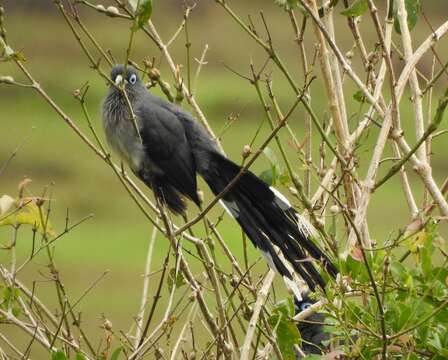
(357, 93)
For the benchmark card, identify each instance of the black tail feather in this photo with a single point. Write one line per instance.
(169, 196)
(167, 192)
(268, 220)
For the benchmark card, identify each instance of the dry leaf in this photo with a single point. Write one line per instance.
(413, 227)
(23, 184)
(356, 253)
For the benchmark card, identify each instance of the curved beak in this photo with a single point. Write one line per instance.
(118, 80)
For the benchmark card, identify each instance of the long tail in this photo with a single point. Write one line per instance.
(269, 221)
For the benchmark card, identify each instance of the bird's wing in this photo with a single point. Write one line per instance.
(167, 147)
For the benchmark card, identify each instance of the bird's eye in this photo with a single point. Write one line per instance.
(305, 306)
(133, 79)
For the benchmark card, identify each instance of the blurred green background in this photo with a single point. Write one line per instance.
(52, 155)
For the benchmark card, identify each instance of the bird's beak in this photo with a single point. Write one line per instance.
(118, 80)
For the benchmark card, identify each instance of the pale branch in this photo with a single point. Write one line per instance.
(413, 81)
(261, 299)
(144, 300)
(431, 128)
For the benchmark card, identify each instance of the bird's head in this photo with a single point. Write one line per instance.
(311, 329)
(305, 303)
(127, 76)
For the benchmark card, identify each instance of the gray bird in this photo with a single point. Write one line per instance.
(174, 148)
(311, 329)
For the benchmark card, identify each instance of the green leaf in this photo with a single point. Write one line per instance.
(413, 8)
(412, 356)
(439, 290)
(359, 96)
(16, 311)
(180, 281)
(404, 317)
(115, 355)
(270, 155)
(284, 177)
(9, 296)
(417, 241)
(357, 8)
(287, 332)
(291, 4)
(285, 307)
(10, 54)
(134, 4)
(356, 269)
(9, 51)
(398, 271)
(80, 356)
(143, 11)
(276, 172)
(435, 341)
(24, 212)
(269, 176)
(424, 332)
(426, 262)
(287, 335)
(58, 355)
(287, 4)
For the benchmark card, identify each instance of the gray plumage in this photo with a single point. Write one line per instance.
(174, 148)
(311, 329)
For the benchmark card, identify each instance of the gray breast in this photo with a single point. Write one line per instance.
(120, 132)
